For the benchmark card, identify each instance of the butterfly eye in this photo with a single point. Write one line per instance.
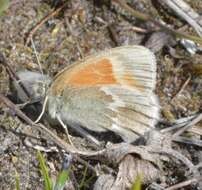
(39, 89)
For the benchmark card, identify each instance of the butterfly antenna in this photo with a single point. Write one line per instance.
(37, 57)
(43, 110)
(38, 61)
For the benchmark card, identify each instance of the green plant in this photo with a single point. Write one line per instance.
(44, 172)
(137, 184)
(62, 178)
(17, 181)
(4, 4)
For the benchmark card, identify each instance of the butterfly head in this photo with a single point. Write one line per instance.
(35, 83)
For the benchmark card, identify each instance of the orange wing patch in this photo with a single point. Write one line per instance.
(94, 74)
(98, 73)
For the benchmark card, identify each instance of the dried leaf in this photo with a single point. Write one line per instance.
(129, 169)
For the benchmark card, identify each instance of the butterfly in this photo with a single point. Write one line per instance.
(108, 91)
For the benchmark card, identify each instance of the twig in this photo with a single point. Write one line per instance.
(74, 180)
(13, 76)
(42, 21)
(139, 30)
(196, 129)
(74, 37)
(145, 17)
(174, 154)
(193, 122)
(182, 88)
(183, 125)
(113, 35)
(177, 124)
(184, 140)
(184, 11)
(30, 102)
(182, 184)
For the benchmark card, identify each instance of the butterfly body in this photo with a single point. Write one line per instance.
(112, 90)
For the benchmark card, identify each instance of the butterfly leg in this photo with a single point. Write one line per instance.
(80, 130)
(65, 128)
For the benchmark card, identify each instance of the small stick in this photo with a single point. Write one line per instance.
(184, 11)
(74, 180)
(29, 102)
(174, 154)
(113, 35)
(139, 29)
(182, 88)
(74, 37)
(183, 129)
(145, 17)
(13, 76)
(42, 21)
(182, 184)
(177, 124)
(188, 141)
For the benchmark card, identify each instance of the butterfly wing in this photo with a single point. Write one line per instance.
(109, 91)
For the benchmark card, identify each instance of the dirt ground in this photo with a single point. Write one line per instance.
(81, 28)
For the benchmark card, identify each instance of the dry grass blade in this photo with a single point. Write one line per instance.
(41, 22)
(13, 76)
(190, 124)
(184, 11)
(183, 184)
(145, 17)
